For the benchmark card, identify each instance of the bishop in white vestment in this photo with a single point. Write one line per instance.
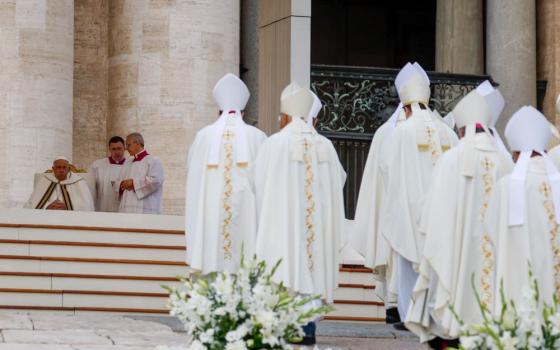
(140, 181)
(366, 227)
(298, 182)
(106, 171)
(220, 205)
(523, 217)
(414, 148)
(61, 190)
(455, 245)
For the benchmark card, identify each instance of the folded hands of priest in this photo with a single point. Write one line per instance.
(57, 205)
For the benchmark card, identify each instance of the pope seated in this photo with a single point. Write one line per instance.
(61, 190)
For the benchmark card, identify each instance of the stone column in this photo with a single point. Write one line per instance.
(459, 36)
(164, 59)
(36, 57)
(511, 52)
(548, 56)
(250, 56)
(91, 19)
(284, 54)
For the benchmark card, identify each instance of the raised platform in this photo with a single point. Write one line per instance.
(83, 262)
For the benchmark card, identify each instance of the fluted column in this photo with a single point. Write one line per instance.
(164, 59)
(459, 36)
(511, 52)
(36, 60)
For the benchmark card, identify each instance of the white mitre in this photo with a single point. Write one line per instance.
(472, 109)
(529, 131)
(231, 96)
(494, 99)
(296, 101)
(230, 93)
(412, 84)
(315, 109)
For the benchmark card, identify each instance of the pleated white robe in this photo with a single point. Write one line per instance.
(366, 237)
(454, 242)
(300, 205)
(532, 242)
(413, 152)
(106, 174)
(147, 176)
(48, 189)
(219, 222)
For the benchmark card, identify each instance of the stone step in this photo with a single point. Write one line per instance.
(91, 250)
(351, 308)
(26, 280)
(120, 267)
(91, 234)
(356, 292)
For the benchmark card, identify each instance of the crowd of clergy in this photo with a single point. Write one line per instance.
(444, 208)
(119, 183)
(444, 212)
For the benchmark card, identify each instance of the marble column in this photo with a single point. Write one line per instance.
(91, 79)
(284, 54)
(459, 36)
(36, 81)
(511, 52)
(164, 59)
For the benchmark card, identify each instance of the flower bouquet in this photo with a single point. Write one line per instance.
(240, 311)
(528, 325)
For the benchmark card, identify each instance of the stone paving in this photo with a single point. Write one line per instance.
(109, 332)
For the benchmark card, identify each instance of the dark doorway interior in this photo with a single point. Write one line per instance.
(373, 33)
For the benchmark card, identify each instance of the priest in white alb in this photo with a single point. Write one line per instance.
(140, 182)
(455, 246)
(412, 151)
(106, 171)
(366, 237)
(61, 190)
(523, 217)
(298, 182)
(220, 205)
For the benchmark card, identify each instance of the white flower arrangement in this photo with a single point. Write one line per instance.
(516, 327)
(241, 311)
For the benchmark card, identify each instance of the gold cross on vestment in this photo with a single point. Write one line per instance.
(487, 164)
(430, 131)
(228, 135)
(544, 189)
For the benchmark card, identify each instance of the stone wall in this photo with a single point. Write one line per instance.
(91, 78)
(164, 58)
(36, 57)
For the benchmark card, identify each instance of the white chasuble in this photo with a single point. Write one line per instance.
(146, 172)
(535, 241)
(73, 192)
(106, 172)
(220, 205)
(455, 245)
(366, 237)
(414, 148)
(299, 183)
